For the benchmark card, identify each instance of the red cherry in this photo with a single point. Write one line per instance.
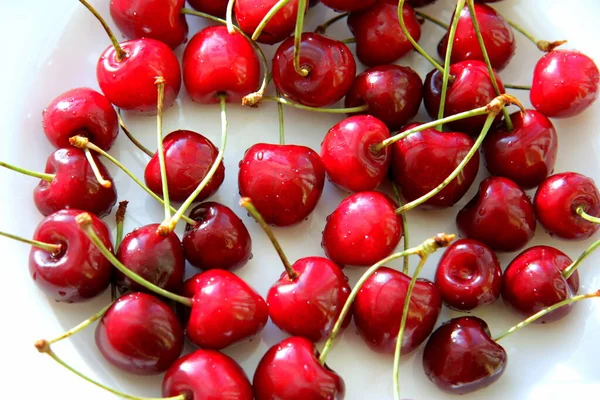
(526, 154)
(565, 83)
(290, 370)
(500, 215)
(249, 14)
(379, 37)
(216, 62)
(379, 305)
(285, 182)
(362, 230)
(140, 334)
(348, 5)
(393, 94)
(423, 160)
(78, 271)
(217, 8)
(468, 275)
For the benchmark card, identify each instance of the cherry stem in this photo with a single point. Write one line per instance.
(567, 272)
(247, 204)
(83, 142)
(542, 45)
(581, 212)
(518, 87)
(81, 326)
(301, 70)
(41, 175)
(53, 249)
(427, 247)
(229, 16)
(321, 29)
(160, 83)
(103, 182)
(348, 40)
(405, 265)
(431, 19)
(120, 53)
(545, 311)
(281, 120)
(168, 225)
(130, 136)
(413, 41)
(120, 219)
(268, 16)
(349, 110)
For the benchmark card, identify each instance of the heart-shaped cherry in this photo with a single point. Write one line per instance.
(348, 5)
(218, 8)
(250, 13)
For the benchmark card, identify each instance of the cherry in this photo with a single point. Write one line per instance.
(249, 14)
(565, 83)
(423, 160)
(379, 37)
(500, 215)
(526, 154)
(206, 374)
(362, 230)
(468, 275)
(561, 199)
(155, 19)
(290, 370)
(285, 182)
(217, 8)
(393, 93)
(140, 334)
(348, 5)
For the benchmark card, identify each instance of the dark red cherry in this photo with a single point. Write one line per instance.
(219, 240)
(249, 14)
(206, 374)
(393, 94)
(362, 230)
(379, 37)
(534, 281)
(348, 156)
(74, 185)
(330, 66)
(500, 215)
(420, 3)
(79, 271)
(140, 334)
(468, 275)
(216, 62)
(565, 83)
(188, 158)
(526, 154)
(423, 160)
(477, 360)
(556, 202)
(161, 20)
(348, 5)
(290, 370)
(496, 32)
(471, 88)
(379, 305)
(218, 8)
(285, 182)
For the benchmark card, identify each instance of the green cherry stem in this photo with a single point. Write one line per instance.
(517, 87)
(281, 121)
(229, 16)
(103, 182)
(348, 110)
(581, 212)
(348, 40)
(160, 83)
(120, 219)
(322, 29)
(405, 264)
(130, 136)
(41, 175)
(300, 70)
(431, 19)
(268, 16)
(567, 272)
(80, 327)
(542, 45)
(120, 53)
(53, 249)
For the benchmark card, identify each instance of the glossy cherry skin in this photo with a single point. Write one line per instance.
(155, 19)
(310, 304)
(207, 375)
(534, 281)
(140, 334)
(565, 84)
(291, 370)
(84, 112)
(348, 156)
(249, 14)
(156, 258)
(331, 69)
(362, 230)
(74, 185)
(477, 361)
(219, 239)
(285, 182)
(379, 37)
(471, 88)
(216, 62)
(500, 215)
(225, 310)
(218, 8)
(129, 83)
(79, 272)
(188, 158)
(497, 36)
(468, 275)
(393, 94)
(379, 305)
(556, 202)
(423, 160)
(348, 5)
(526, 154)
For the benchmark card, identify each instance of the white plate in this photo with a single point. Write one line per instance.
(49, 47)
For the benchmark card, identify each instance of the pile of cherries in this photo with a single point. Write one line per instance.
(142, 332)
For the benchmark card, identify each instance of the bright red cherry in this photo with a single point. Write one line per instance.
(348, 5)
(140, 334)
(565, 83)
(468, 275)
(249, 14)
(393, 94)
(218, 8)
(500, 215)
